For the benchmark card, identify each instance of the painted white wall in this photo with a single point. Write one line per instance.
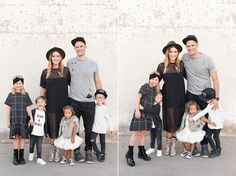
(124, 37)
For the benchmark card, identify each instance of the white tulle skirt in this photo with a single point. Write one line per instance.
(66, 144)
(191, 137)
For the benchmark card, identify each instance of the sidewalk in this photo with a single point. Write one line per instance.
(178, 166)
(109, 167)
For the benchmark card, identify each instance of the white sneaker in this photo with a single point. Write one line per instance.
(64, 160)
(41, 161)
(71, 162)
(150, 151)
(31, 156)
(159, 153)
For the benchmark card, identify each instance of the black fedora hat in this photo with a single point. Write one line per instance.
(78, 39)
(190, 37)
(207, 94)
(172, 44)
(101, 91)
(59, 50)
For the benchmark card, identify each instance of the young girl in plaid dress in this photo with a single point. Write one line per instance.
(141, 121)
(18, 107)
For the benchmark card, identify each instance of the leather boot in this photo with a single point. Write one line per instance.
(173, 146)
(167, 149)
(142, 154)
(15, 157)
(21, 156)
(130, 156)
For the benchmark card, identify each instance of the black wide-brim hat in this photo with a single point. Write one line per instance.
(207, 94)
(189, 37)
(59, 50)
(172, 44)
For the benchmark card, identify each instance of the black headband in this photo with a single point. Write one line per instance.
(15, 80)
(154, 75)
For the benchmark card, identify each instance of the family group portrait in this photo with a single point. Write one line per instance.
(117, 88)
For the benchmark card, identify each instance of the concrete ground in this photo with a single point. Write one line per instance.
(109, 167)
(178, 166)
(158, 166)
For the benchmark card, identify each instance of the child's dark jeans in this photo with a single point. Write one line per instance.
(38, 140)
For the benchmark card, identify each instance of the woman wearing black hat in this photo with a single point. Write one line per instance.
(54, 86)
(172, 72)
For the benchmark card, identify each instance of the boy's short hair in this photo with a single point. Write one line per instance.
(42, 98)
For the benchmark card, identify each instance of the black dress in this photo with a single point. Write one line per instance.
(18, 114)
(57, 97)
(173, 96)
(145, 122)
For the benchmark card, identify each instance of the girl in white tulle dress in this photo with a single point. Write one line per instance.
(190, 131)
(68, 140)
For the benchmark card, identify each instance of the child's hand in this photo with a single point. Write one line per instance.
(137, 114)
(213, 124)
(140, 107)
(31, 122)
(72, 140)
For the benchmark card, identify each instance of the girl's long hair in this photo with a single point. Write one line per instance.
(167, 62)
(22, 91)
(50, 66)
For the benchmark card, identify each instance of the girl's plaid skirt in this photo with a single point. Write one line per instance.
(141, 124)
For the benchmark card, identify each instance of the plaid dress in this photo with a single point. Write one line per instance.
(147, 99)
(18, 114)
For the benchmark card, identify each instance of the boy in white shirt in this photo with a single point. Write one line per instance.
(38, 130)
(208, 95)
(102, 122)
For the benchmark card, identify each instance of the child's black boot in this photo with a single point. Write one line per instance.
(15, 157)
(130, 156)
(21, 157)
(142, 154)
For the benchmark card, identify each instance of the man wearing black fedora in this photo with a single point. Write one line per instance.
(201, 74)
(84, 80)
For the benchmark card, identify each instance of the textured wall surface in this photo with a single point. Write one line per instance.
(124, 37)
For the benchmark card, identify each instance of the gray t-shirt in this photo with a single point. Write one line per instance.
(198, 72)
(82, 86)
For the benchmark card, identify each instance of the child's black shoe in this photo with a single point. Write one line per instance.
(101, 157)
